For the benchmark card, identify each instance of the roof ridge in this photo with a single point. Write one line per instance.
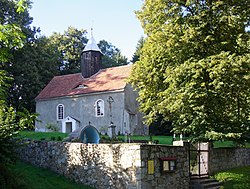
(67, 75)
(117, 67)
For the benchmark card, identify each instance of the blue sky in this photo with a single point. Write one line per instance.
(111, 20)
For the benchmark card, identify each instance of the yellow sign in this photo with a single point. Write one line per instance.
(151, 167)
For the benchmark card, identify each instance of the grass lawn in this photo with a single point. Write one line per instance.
(58, 136)
(237, 178)
(156, 139)
(222, 144)
(31, 177)
(48, 136)
(161, 139)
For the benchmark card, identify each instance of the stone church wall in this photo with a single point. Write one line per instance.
(111, 166)
(82, 108)
(132, 105)
(123, 112)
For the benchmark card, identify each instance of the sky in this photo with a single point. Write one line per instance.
(111, 20)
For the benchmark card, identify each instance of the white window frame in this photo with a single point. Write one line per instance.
(99, 110)
(58, 113)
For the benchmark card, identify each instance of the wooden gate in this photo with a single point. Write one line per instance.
(198, 159)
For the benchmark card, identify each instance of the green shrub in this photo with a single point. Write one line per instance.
(52, 127)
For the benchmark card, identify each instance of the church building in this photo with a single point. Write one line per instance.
(96, 97)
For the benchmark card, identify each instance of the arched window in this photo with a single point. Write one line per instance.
(99, 108)
(60, 111)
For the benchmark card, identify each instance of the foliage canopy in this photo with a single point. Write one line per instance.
(112, 55)
(194, 67)
(11, 37)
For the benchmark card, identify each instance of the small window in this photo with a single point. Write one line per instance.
(60, 112)
(99, 108)
(81, 86)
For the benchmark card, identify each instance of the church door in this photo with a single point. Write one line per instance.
(68, 127)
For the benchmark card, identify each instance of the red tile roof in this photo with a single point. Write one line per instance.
(109, 79)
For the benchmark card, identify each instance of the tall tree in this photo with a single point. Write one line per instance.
(32, 68)
(70, 45)
(195, 66)
(12, 27)
(112, 55)
(11, 37)
(136, 55)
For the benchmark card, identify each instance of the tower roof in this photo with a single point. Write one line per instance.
(91, 45)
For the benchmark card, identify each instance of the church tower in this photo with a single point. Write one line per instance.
(91, 58)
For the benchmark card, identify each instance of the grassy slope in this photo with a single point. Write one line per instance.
(32, 177)
(237, 178)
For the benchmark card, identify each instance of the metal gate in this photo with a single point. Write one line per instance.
(198, 159)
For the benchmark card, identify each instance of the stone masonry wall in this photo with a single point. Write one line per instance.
(102, 166)
(178, 179)
(110, 166)
(227, 158)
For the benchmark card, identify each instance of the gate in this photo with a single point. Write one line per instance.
(198, 159)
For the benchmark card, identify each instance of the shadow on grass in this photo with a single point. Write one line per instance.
(31, 177)
(237, 178)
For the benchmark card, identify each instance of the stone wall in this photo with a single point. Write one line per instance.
(227, 158)
(159, 180)
(108, 166)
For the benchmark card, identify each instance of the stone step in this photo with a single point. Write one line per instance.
(215, 187)
(211, 185)
(205, 183)
(204, 180)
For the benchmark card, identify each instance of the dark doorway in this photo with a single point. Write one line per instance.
(68, 127)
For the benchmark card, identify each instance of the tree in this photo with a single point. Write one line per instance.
(69, 45)
(136, 55)
(32, 68)
(112, 55)
(194, 69)
(11, 37)
(11, 27)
